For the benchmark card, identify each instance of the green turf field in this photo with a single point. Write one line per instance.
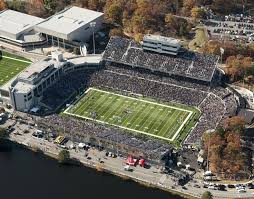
(134, 114)
(10, 66)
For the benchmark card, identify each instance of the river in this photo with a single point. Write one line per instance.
(27, 175)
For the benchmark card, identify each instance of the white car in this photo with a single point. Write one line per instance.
(241, 190)
(127, 168)
(212, 187)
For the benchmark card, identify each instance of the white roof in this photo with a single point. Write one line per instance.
(15, 22)
(161, 38)
(22, 87)
(69, 20)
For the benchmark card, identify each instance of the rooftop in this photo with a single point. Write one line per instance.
(36, 69)
(69, 20)
(15, 22)
(22, 87)
(161, 38)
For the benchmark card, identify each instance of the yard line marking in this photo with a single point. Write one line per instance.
(138, 109)
(122, 127)
(29, 62)
(141, 100)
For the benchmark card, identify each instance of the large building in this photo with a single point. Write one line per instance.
(70, 26)
(18, 29)
(28, 89)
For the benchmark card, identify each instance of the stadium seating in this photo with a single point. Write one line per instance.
(187, 64)
(184, 79)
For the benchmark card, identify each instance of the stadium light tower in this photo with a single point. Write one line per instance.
(93, 25)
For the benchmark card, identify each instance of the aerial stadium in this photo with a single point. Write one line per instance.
(140, 98)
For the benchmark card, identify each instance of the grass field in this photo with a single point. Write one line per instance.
(10, 66)
(134, 114)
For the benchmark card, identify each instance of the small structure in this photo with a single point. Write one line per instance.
(160, 44)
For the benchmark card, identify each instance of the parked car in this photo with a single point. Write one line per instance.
(128, 168)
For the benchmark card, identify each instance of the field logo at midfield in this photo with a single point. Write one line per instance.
(187, 114)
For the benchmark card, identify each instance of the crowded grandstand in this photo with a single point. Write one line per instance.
(188, 78)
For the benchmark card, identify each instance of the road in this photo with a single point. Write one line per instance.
(115, 165)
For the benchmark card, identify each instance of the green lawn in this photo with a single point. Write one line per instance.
(133, 114)
(10, 67)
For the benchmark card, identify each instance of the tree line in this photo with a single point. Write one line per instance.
(224, 151)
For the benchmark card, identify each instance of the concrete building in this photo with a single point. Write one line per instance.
(71, 26)
(18, 29)
(160, 44)
(27, 89)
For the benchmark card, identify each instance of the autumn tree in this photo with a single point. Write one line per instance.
(212, 47)
(207, 195)
(113, 12)
(238, 67)
(36, 8)
(234, 123)
(2, 5)
(53, 6)
(223, 6)
(116, 32)
(197, 12)
(177, 26)
(223, 148)
(187, 6)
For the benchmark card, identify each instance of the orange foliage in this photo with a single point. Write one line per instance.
(2, 5)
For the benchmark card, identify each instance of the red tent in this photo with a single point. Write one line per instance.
(142, 162)
(130, 161)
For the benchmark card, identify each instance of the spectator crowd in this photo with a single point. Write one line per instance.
(215, 103)
(186, 63)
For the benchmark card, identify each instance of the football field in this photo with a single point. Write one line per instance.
(10, 66)
(130, 113)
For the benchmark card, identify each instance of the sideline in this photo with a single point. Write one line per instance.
(20, 60)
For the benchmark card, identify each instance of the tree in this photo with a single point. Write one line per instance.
(187, 6)
(36, 8)
(3, 132)
(212, 47)
(207, 195)
(219, 6)
(63, 156)
(2, 5)
(235, 123)
(226, 155)
(114, 13)
(238, 67)
(116, 32)
(197, 12)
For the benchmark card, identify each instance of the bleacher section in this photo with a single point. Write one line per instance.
(188, 64)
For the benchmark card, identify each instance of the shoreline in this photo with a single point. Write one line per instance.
(124, 176)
